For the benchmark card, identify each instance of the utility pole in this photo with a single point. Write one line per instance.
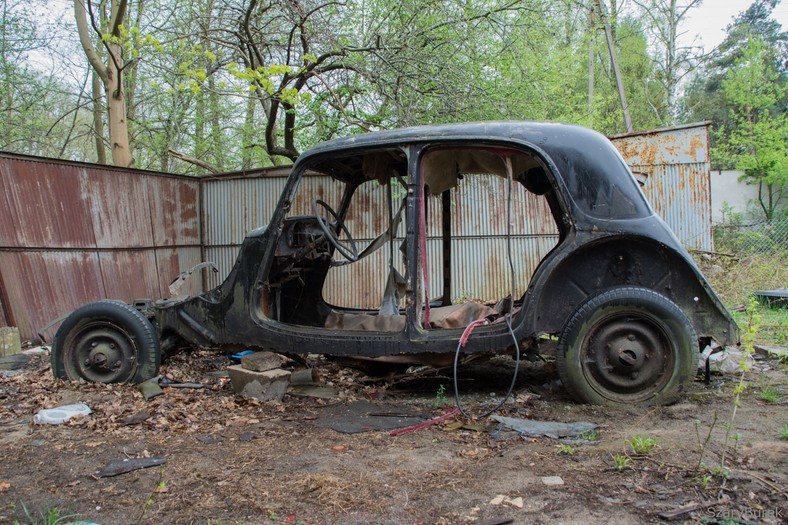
(616, 70)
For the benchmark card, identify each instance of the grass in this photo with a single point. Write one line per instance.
(783, 432)
(774, 325)
(566, 450)
(736, 278)
(769, 394)
(440, 397)
(642, 445)
(49, 516)
(621, 462)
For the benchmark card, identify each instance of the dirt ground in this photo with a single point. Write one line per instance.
(234, 460)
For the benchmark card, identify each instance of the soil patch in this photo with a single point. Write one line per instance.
(235, 460)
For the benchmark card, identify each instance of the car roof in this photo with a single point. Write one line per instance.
(526, 132)
(585, 163)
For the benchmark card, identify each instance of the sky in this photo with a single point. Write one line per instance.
(708, 22)
(705, 25)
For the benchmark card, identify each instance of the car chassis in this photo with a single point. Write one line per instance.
(628, 305)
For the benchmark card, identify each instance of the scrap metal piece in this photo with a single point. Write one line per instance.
(117, 467)
(551, 429)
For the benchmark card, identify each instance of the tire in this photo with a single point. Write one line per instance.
(627, 346)
(106, 342)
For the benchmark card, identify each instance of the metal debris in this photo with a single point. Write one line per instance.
(122, 466)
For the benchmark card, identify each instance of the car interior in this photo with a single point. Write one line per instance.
(346, 236)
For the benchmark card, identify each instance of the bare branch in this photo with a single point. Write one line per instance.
(192, 160)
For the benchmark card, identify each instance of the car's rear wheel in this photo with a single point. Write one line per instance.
(627, 346)
(106, 342)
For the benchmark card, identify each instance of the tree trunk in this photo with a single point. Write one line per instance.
(199, 124)
(98, 121)
(110, 75)
(248, 135)
(611, 46)
(116, 109)
(670, 66)
(217, 144)
(591, 49)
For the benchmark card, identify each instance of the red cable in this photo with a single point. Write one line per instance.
(466, 334)
(426, 424)
(423, 243)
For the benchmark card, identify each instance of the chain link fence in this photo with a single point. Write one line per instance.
(738, 237)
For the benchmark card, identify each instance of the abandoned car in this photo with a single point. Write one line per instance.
(361, 258)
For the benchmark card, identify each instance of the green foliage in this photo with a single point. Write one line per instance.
(591, 435)
(704, 481)
(440, 397)
(756, 139)
(217, 81)
(566, 450)
(783, 432)
(769, 394)
(748, 335)
(621, 462)
(48, 516)
(642, 445)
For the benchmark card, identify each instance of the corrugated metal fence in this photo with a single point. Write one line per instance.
(71, 232)
(676, 161)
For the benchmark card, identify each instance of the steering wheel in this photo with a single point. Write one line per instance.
(346, 247)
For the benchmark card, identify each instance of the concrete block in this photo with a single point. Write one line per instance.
(262, 361)
(10, 343)
(269, 385)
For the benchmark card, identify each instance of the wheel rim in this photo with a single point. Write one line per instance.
(628, 357)
(101, 352)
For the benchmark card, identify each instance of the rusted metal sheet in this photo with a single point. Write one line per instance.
(42, 286)
(685, 144)
(45, 205)
(71, 233)
(174, 208)
(679, 181)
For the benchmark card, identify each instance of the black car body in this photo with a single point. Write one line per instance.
(627, 303)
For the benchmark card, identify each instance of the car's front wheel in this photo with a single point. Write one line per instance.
(106, 342)
(627, 346)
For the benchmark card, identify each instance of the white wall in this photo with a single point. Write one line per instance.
(725, 187)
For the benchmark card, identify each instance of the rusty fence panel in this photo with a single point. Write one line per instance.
(71, 233)
(678, 186)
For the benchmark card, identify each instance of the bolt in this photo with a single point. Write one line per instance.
(87, 362)
(94, 344)
(631, 337)
(112, 346)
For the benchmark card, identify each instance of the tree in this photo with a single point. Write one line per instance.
(704, 98)
(111, 32)
(673, 61)
(756, 141)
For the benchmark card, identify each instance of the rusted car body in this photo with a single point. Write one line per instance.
(627, 303)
